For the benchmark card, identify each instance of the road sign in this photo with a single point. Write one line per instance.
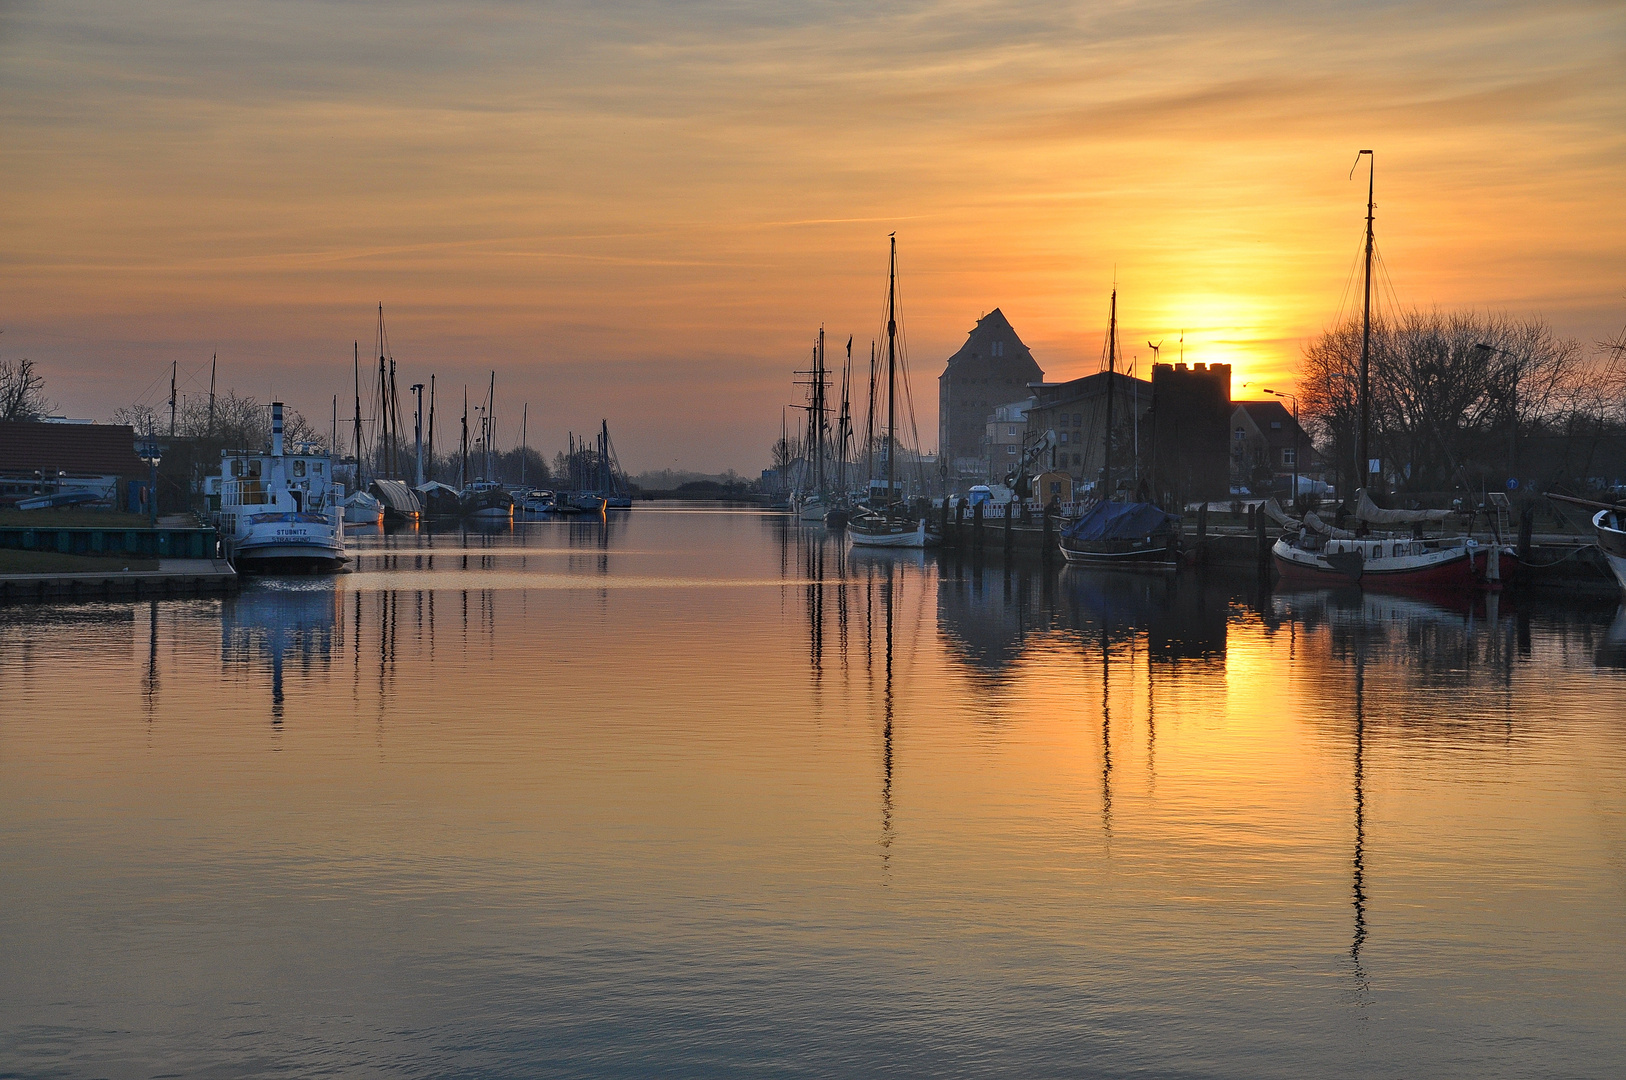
(1513, 483)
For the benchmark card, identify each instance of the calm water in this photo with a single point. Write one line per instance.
(700, 794)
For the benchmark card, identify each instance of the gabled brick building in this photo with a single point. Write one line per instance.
(991, 369)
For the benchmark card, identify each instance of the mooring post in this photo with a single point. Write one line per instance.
(959, 521)
(976, 526)
(1049, 534)
(1260, 541)
(1010, 512)
(1527, 526)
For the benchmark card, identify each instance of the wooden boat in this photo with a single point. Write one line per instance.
(1136, 536)
(889, 523)
(1133, 535)
(1311, 551)
(485, 500)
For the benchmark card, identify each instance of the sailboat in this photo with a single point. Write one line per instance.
(400, 502)
(360, 508)
(1133, 535)
(1310, 551)
(811, 503)
(884, 522)
(484, 499)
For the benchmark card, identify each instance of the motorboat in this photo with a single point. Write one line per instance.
(1133, 535)
(538, 502)
(280, 511)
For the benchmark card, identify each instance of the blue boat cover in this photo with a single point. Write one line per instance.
(1118, 521)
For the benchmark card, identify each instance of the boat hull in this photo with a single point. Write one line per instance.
(1457, 567)
(1159, 559)
(287, 541)
(1606, 524)
(916, 535)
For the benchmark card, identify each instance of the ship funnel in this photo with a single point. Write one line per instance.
(276, 429)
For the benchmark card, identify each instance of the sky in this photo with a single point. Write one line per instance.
(643, 212)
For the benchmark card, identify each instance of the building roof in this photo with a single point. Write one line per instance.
(84, 449)
(1048, 395)
(1265, 413)
(991, 328)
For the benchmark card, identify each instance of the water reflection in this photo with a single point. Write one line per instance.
(718, 794)
(272, 621)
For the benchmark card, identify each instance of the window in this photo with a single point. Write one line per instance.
(997, 349)
(1064, 438)
(1241, 435)
(1012, 430)
(299, 468)
(1078, 418)
(1010, 448)
(1275, 425)
(1289, 457)
(316, 468)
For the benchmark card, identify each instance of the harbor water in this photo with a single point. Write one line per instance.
(705, 793)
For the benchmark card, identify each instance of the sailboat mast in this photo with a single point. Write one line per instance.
(818, 412)
(357, 447)
(869, 424)
(891, 364)
(491, 422)
(431, 423)
(1112, 363)
(524, 434)
(1362, 476)
(845, 426)
(463, 459)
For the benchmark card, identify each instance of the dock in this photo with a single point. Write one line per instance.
(174, 577)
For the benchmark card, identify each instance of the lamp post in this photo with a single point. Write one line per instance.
(150, 454)
(1295, 400)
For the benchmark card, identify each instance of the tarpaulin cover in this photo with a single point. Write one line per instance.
(1119, 521)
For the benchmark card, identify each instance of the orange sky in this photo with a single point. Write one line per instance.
(644, 211)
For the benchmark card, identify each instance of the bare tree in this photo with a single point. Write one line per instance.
(1451, 392)
(22, 391)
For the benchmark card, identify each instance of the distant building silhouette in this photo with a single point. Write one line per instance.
(992, 368)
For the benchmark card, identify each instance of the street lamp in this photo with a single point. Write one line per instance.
(150, 454)
(1295, 400)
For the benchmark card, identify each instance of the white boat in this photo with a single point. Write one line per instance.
(809, 508)
(887, 529)
(1606, 524)
(361, 508)
(280, 512)
(538, 502)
